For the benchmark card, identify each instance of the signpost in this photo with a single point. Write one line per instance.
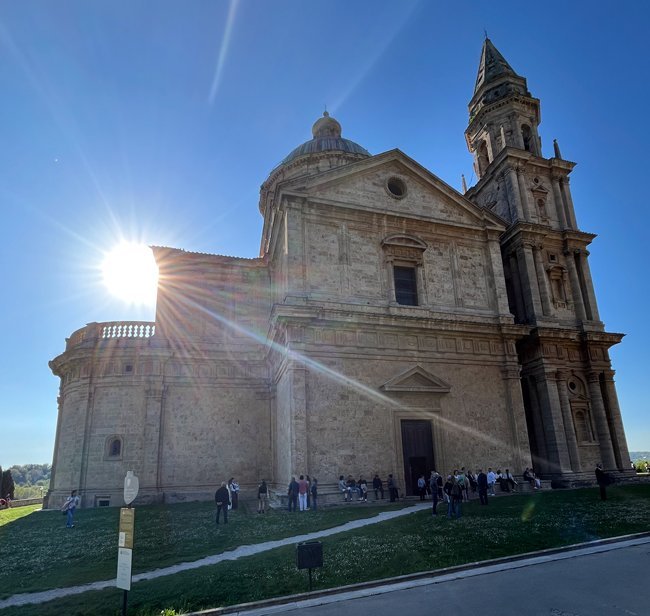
(309, 555)
(125, 537)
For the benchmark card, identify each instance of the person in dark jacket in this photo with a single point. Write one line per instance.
(378, 487)
(292, 492)
(482, 484)
(314, 494)
(222, 500)
(603, 480)
(262, 497)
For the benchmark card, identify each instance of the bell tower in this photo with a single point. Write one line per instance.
(502, 111)
(567, 381)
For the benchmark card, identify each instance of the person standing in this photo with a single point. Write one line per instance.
(482, 483)
(233, 488)
(491, 479)
(308, 480)
(314, 494)
(422, 487)
(303, 487)
(447, 488)
(262, 497)
(433, 486)
(603, 479)
(457, 498)
(378, 486)
(222, 500)
(392, 489)
(69, 507)
(292, 492)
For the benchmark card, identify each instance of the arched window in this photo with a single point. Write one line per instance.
(527, 136)
(114, 447)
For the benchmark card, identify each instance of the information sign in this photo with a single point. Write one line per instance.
(124, 556)
(131, 487)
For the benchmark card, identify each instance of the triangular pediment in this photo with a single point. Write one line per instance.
(366, 184)
(417, 380)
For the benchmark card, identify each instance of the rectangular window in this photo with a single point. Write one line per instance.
(406, 290)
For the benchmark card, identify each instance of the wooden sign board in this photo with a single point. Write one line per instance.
(127, 528)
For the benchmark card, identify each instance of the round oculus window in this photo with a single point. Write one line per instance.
(396, 187)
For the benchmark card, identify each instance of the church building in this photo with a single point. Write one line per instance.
(391, 324)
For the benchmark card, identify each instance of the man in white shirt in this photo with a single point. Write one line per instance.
(492, 478)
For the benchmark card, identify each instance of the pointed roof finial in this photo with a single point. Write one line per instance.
(463, 182)
(485, 31)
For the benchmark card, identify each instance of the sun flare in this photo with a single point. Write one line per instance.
(130, 273)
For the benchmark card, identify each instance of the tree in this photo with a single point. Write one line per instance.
(7, 484)
(1, 492)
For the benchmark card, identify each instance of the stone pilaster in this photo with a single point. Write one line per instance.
(523, 194)
(567, 416)
(556, 445)
(576, 292)
(618, 433)
(516, 417)
(542, 280)
(516, 287)
(153, 418)
(568, 202)
(600, 418)
(529, 274)
(589, 285)
(514, 193)
(559, 202)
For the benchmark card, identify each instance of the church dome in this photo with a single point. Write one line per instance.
(326, 133)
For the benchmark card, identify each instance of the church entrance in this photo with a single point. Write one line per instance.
(417, 447)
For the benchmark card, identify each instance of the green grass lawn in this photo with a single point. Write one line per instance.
(14, 513)
(418, 542)
(38, 552)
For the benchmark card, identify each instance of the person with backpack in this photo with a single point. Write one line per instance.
(456, 494)
(69, 507)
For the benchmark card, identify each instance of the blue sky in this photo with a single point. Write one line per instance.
(158, 121)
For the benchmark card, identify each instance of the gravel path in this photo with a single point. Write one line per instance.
(244, 550)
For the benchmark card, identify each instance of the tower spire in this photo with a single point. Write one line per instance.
(492, 65)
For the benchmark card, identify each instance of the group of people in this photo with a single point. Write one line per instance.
(351, 487)
(226, 497)
(303, 493)
(461, 483)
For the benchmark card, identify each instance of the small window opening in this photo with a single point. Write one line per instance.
(115, 448)
(406, 291)
(128, 368)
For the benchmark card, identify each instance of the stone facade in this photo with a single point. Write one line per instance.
(390, 325)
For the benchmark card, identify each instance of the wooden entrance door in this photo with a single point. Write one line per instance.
(417, 447)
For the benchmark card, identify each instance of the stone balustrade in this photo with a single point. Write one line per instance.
(111, 330)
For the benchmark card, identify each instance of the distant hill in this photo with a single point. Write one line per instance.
(31, 474)
(639, 455)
